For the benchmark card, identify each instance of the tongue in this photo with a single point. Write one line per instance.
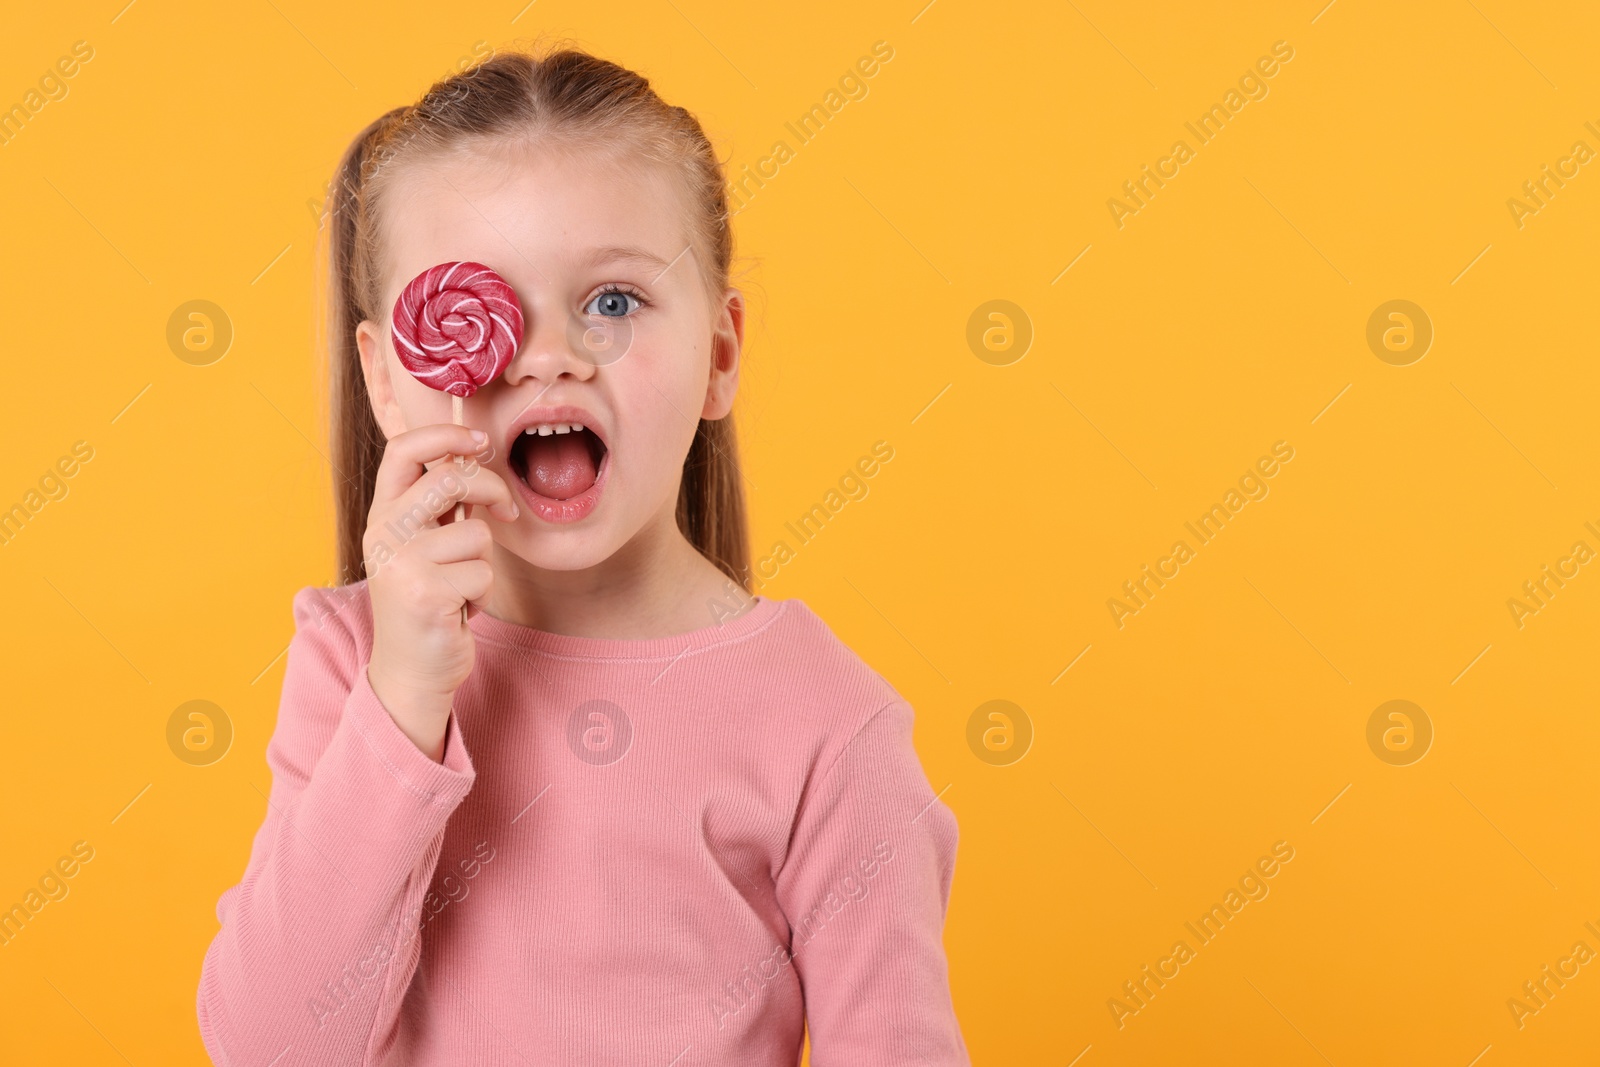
(559, 466)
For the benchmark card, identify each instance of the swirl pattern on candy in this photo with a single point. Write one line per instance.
(456, 327)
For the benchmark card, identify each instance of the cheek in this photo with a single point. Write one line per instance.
(667, 389)
(663, 439)
(419, 404)
(695, 374)
(658, 434)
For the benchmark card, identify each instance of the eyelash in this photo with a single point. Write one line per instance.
(620, 287)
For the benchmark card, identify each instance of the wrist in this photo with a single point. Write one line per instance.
(422, 714)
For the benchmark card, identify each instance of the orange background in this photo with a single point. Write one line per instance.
(1230, 312)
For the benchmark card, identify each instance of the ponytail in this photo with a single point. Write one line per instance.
(711, 511)
(358, 442)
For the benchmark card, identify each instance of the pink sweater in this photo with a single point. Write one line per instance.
(673, 851)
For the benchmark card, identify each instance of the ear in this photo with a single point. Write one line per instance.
(380, 386)
(727, 342)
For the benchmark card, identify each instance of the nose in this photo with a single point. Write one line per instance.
(546, 353)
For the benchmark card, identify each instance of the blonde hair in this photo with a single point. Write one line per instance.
(558, 100)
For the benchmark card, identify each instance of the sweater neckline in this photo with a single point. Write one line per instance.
(570, 646)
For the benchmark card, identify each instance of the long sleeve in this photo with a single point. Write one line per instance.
(865, 887)
(319, 940)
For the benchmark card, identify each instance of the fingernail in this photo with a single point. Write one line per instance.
(480, 437)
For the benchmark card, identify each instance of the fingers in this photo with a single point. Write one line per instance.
(439, 568)
(438, 490)
(471, 579)
(414, 549)
(447, 485)
(440, 590)
(406, 455)
(421, 573)
(434, 569)
(465, 540)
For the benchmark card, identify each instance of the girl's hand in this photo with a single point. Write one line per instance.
(420, 573)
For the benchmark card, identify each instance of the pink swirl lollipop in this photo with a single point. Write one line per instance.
(456, 327)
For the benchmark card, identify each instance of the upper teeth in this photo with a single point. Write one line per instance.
(545, 429)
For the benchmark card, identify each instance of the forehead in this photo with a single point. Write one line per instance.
(532, 214)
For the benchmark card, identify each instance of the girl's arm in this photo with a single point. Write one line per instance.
(865, 887)
(320, 939)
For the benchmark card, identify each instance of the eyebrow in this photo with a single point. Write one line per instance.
(623, 254)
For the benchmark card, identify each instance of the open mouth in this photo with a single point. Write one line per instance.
(561, 467)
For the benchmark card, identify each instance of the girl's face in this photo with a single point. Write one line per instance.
(618, 334)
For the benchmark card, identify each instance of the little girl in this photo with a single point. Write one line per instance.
(620, 811)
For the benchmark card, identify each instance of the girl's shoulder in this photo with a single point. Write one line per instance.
(329, 650)
(825, 685)
(323, 665)
(805, 640)
(341, 613)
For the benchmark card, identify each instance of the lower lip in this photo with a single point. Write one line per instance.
(574, 509)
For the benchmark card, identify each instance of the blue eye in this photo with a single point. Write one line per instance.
(613, 302)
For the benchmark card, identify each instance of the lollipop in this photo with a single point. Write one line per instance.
(456, 327)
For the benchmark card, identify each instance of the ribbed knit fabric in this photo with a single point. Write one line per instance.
(675, 851)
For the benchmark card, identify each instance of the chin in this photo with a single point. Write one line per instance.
(560, 548)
